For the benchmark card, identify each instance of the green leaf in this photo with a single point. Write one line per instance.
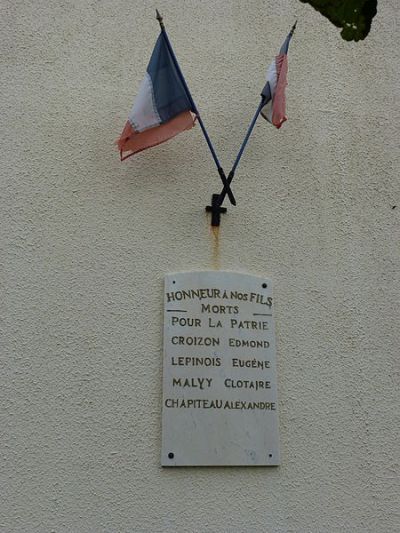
(354, 16)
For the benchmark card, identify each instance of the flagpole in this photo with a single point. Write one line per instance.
(264, 100)
(252, 124)
(231, 175)
(221, 173)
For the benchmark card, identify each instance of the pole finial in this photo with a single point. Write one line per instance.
(160, 19)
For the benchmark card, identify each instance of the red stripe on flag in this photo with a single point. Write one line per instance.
(131, 142)
(279, 100)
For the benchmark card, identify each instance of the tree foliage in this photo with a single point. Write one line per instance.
(353, 16)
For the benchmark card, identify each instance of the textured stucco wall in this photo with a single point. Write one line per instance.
(86, 241)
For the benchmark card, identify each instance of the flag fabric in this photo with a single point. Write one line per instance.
(274, 109)
(162, 108)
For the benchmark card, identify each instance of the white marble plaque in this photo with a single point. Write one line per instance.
(219, 379)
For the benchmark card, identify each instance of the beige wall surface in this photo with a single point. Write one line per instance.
(86, 241)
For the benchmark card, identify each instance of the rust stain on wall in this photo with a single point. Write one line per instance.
(214, 230)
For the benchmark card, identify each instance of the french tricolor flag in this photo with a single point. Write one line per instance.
(162, 108)
(274, 109)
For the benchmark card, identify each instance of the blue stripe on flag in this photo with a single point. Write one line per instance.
(285, 47)
(169, 93)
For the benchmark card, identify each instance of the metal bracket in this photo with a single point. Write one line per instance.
(216, 210)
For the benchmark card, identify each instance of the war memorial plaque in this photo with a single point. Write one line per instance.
(219, 374)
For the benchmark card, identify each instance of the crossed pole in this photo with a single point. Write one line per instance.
(216, 208)
(218, 199)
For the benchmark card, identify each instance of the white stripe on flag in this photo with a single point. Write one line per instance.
(144, 114)
(267, 111)
(272, 77)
